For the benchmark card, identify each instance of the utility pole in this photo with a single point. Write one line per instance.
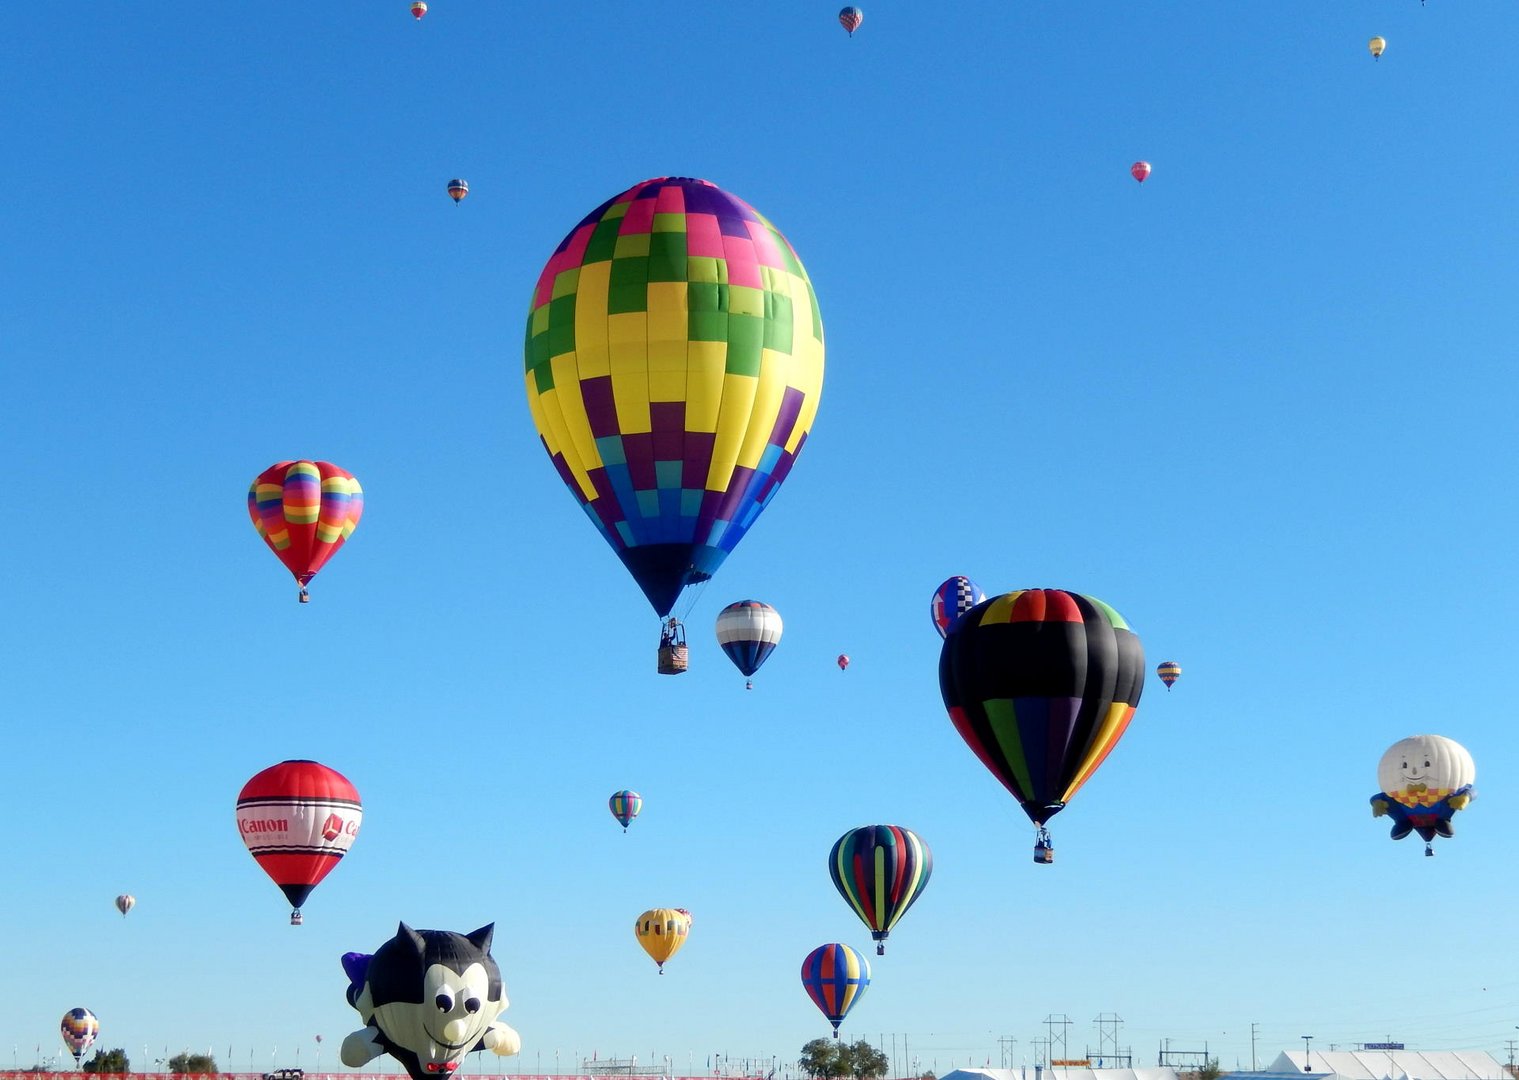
(1254, 1031)
(1063, 1022)
(1007, 1042)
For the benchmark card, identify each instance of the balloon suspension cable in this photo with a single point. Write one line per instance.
(690, 596)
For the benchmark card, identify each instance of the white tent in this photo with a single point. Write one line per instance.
(1390, 1064)
(1060, 1072)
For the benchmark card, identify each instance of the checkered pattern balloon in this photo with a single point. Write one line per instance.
(674, 360)
(952, 599)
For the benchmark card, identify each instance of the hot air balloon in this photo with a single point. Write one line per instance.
(674, 363)
(125, 903)
(427, 998)
(457, 189)
(1169, 671)
(1042, 683)
(952, 599)
(1140, 171)
(880, 870)
(835, 977)
(843, 662)
(418, 9)
(79, 1030)
(850, 19)
(1425, 779)
(748, 632)
(305, 511)
(662, 932)
(1377, 45)
(625, 806)
(298, 818)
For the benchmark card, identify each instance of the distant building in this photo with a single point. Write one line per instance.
(1379, 1065)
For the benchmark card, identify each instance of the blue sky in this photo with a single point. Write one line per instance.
(1261, 405)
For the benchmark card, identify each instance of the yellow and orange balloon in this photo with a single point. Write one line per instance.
(662, 932)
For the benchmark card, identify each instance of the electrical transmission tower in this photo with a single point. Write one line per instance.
(1109, 1054)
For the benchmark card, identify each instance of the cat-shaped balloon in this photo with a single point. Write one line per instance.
(427, 998)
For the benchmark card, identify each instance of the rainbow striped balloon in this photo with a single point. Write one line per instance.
(305, 511)
(880, 870)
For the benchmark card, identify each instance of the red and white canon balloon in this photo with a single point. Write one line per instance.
(297, 819)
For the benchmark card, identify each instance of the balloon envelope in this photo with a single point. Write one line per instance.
(850, 19)
(1169, 671)
(79, 1029)
(1377, 46)
(843, 662)
(305, 511)
(125, 903)
(418, 9)
(662, 932)
(625, 806)
(835, 978)
(880, 871)
(1041, 684)
(298, 819)
(457, 189)
(1140, 171)
(748, 633)
(674, 362)
(952, 599)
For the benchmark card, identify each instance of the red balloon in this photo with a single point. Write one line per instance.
(305, 511)
(843, 662)
(298, 819)
(1140, 171)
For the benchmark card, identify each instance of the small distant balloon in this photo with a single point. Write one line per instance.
(851, 18)
(125, 903)
(662, 932)
(952, 599)
(457, 189)
(835, 978)
(843, 662)
(1377, 45)
(418, 9)
(625, 806)
(1140, 171)
(1169, 671)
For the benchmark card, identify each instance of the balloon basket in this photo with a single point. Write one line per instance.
(1429, 849)
(880, 950)
(305, 597)
(295, 919)
(672, 660)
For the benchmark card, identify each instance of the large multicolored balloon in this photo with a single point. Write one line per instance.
(880, 870)
(79, 1029)
(298, 819)
(125, 903)
(662, 932)
(748, 632)
(1425, 779)
(1041, 684)
(850, 19)
(305, 511)
(674, 364)
(835, 978)
(427, 998)
(625, 806)
(952, 599)
(1168, 671)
